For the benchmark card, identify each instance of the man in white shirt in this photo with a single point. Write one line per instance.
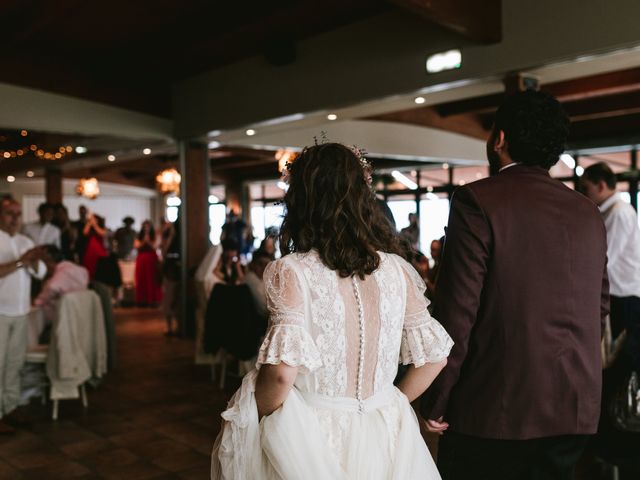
(19, 261)
(623, 252)
(43, 232)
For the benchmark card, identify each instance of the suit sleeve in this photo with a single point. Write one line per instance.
(463, 269)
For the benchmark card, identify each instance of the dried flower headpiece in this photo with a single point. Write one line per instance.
(360, 153)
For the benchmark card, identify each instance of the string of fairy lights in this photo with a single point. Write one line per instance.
(34, 149)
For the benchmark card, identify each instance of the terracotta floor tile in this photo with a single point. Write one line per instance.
(24, 461)
(182, 461)
(62, 469)
(135, 437)
(202, 472)
(159, 448)
(110, 458)
(134, 471)
(83, 449)
(7, 472)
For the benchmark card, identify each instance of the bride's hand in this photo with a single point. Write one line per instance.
(436, 426)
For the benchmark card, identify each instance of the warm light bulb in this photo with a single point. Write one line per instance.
(146, 151)
(11, 179)
(332, 116)
(30, 174)
(251, 132)
(419, 100)
(111, 158)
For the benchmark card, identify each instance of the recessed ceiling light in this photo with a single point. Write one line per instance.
(445, 166)
(111, 158)
(251, 132)
(30, 174)
(80, 149)
(332, 116)
(214, 144)
(444, 61)
(419, 100)
(24, 133)
(146, 151)
(11, 179)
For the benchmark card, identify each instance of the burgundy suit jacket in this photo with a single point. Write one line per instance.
(523, 291)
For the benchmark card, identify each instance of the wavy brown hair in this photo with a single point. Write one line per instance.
(330, 208)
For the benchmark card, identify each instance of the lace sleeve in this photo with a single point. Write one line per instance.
(287, 339)
(424, 340)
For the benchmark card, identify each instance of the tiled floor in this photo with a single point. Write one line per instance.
(154, 417)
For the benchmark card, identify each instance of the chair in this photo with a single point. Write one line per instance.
(232, 329)
(77, 351)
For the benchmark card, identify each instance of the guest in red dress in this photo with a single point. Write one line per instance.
(148, 289)
(95, 231)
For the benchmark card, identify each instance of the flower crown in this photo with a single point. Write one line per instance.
(360, 153)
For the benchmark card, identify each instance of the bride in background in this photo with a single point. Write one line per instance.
(345, 308)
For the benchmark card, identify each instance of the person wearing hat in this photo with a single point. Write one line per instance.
(125, 238)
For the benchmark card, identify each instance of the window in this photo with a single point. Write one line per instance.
(434, 215)
(217, 217)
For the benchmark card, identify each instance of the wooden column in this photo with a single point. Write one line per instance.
(237, 199)
(195, 183)
(53, 185)
(194, 223)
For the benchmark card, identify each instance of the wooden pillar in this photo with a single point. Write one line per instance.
(196, 188)
(194, 223)
(237, 195)
(53, 185)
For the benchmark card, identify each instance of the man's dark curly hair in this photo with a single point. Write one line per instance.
(535, 127)
(330, 208)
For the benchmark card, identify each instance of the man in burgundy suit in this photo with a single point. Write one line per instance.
(523, 292)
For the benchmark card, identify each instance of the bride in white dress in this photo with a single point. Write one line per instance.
(345, 308)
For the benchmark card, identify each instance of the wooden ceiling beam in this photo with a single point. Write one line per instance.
(465, 124)
(478, 21)
(601, 85)
(604, 107)
(605, 127)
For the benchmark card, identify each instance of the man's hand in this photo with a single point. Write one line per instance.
(32, 256)
(436, 426)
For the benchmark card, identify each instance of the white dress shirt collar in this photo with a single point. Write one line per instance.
(508, 166)
(609, 202)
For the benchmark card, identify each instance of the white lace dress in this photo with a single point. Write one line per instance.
(343, 419)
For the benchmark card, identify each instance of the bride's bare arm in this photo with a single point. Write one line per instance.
(417, 380)
(273, 385)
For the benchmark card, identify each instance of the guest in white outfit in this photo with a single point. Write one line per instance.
(344, 308)
(19, 261)
(255, 281)
(43, 232)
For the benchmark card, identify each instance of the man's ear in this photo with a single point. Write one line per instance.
(602, 186)
(499, 143)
